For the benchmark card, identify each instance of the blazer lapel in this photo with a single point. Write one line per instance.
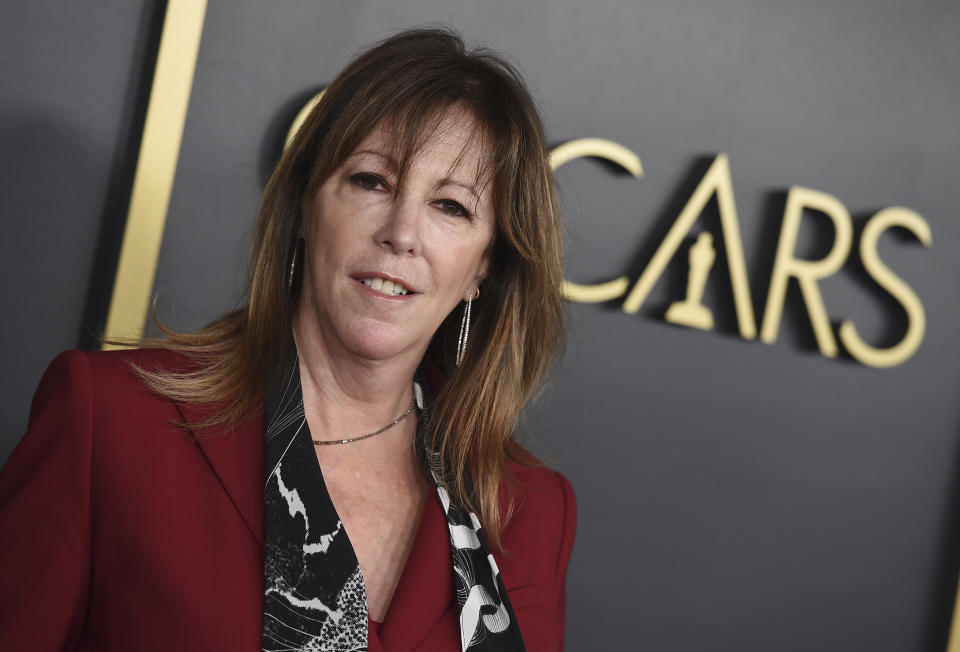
(425, 590)
(236, 457)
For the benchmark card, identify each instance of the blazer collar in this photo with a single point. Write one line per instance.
(235, 456)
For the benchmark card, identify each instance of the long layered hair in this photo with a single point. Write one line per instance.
(408, 83)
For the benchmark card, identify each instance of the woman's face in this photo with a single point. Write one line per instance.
(386, 265)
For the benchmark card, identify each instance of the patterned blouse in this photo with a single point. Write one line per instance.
(314, 594)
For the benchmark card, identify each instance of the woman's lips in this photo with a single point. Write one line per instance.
(385, 286)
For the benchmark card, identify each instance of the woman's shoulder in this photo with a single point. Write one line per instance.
(111, 375)
(116, 365)
(120, 360)
(541, 488)
(538, 537)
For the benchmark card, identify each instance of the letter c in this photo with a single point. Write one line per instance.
(629, 161)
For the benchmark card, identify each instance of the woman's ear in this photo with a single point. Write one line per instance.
(478, 279)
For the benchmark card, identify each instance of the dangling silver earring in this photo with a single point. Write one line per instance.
(298, 245)
(465, 327)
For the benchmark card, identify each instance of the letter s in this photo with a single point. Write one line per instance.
(916, 317)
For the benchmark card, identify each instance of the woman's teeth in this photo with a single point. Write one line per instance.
(384, 286)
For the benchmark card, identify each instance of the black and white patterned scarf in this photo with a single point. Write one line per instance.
(314, 595)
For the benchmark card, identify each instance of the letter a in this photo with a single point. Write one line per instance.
(716, 180)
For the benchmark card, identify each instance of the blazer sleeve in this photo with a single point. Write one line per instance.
(45, 515)
(541, 604)
(568, 530)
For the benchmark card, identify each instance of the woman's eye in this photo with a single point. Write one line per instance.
(368, 181)
(453, 208)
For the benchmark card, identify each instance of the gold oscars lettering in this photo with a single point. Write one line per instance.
(692, 313)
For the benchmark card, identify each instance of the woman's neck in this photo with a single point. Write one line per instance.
(345, 396)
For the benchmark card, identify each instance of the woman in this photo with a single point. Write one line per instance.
(331, 467)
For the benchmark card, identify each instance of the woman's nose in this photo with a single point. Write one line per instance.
(400, 231)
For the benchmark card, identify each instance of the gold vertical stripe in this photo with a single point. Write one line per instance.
(953, 643)
(156, 167)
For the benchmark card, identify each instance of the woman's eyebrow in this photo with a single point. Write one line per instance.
(450, 181)
(392, 162)
(445, 181)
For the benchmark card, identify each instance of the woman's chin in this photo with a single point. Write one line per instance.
(380, 342)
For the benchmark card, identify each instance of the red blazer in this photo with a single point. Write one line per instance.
(120, 531)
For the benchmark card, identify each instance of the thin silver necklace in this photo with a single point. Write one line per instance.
(331, 442)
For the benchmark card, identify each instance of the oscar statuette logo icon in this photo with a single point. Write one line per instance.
(691, 311)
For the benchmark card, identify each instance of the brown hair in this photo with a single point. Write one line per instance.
(409, 82)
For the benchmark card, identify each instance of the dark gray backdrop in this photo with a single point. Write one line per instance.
(732, 495)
